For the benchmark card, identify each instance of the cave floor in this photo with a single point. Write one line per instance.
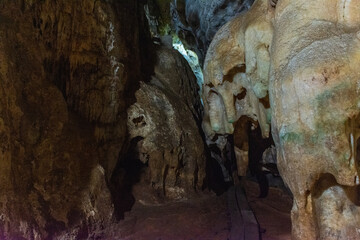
(272, 212)
(207, 218)
(203, 218)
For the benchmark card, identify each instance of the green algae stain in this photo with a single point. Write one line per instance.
(328, 103)
(268, 116)
(332, 94)
(319, 135)
(292, 137)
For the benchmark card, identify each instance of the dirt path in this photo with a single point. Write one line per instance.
(272, 212)
(203, 218)
(211, 217)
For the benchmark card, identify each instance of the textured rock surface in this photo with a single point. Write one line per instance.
(236, 72)
(315, 104)
(306, 55)
(236, 80)
(68, 73)
(65, 70)
(166, 116)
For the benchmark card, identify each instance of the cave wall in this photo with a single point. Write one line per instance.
(68, 73)
(317, 70)
(294, 64)
(64, 71)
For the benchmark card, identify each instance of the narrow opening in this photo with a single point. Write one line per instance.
(193, 60)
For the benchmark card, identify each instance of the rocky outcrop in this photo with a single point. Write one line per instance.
(166, 117)
(298, 61)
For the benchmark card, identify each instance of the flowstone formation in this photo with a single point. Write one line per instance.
(236, 87)
(305, 56)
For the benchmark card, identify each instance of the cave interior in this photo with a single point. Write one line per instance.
(179, 119)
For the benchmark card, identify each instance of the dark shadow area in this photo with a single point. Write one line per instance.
(128, 169)
(142, 50)
(232, 72)
(327, 180)
(257, 146)
(214, 175)
(220, 178)
(324, 182)
(230, 162)
(126, 174)
(59, 72)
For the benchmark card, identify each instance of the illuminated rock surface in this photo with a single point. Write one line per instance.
(305, 56)
(314, 88)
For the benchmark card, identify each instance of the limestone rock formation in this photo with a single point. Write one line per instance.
(166, 116)
(299, 62)
(315, 105)
(236, 79)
